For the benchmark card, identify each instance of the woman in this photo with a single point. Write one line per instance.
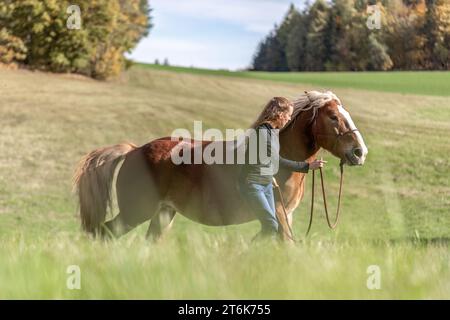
(256, 180)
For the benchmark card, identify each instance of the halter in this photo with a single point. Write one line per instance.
(333, 225)
(337, 135)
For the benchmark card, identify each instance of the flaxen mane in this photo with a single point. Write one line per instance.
(310, 100)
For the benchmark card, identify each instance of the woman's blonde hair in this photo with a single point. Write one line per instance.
(273, 109)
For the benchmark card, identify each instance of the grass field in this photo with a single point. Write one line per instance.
(395, 208)
(427, 83)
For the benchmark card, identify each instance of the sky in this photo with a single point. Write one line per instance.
(213, 34)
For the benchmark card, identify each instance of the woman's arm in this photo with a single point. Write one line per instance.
(299, 166)
(292, 165)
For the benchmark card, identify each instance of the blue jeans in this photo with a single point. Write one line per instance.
(261, 200)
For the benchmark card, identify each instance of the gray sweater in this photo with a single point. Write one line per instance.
(262, 171)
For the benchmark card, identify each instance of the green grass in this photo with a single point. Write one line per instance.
(204, 266)
(426, 83)
(395, 211)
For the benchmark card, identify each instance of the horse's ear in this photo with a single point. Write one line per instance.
(307, 95)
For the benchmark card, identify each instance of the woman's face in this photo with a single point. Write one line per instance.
(285, 117)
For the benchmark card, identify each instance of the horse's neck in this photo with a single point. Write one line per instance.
(297, 141)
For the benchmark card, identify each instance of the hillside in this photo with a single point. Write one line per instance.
(395, 208)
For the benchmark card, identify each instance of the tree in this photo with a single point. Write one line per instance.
(342, 50)
(259, 58)
(379, 58)
(404, 37)
(271, 52)
(282, 38)
(296, 43)
(316, 49)
(270, 55)
(437, 28)
(333, 35)
(12, 49)
(109, 29)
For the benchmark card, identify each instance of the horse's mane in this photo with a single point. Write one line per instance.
(310, 100)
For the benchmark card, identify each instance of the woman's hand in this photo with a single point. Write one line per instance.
(316, 164)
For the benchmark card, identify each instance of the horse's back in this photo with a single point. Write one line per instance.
(205, 193)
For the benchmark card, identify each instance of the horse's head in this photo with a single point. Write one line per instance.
(335, 131)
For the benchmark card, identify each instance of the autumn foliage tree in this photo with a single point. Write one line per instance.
(36, 34)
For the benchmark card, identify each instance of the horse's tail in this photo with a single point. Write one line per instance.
(93, 183)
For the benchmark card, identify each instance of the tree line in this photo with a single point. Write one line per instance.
(335, 36)
(91, 40)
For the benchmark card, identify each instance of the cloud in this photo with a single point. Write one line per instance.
(209, 33)
(256, 16)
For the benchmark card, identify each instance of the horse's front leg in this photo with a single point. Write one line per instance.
(285, 220)
(292, 190)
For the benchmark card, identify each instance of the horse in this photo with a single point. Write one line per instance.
(150, 186)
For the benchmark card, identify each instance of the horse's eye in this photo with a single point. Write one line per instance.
(334, 118)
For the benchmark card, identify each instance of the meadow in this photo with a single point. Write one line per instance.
(417, 82)
(395, 211)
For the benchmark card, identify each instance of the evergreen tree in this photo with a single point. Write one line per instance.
(333, 35)
(275, 58)
(259, 58)
(296, 43)
(316, 50)
(271, 53)
(282, 37)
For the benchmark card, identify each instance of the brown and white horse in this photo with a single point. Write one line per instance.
(150, 186)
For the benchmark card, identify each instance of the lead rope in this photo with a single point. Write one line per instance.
(333, 225)
(336, 220)
(290, 235)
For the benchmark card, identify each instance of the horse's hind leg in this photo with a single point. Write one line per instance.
(137, 195)
(161, 222)
(116, 227)
(130, 217)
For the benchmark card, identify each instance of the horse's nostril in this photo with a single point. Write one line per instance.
(358, 152)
